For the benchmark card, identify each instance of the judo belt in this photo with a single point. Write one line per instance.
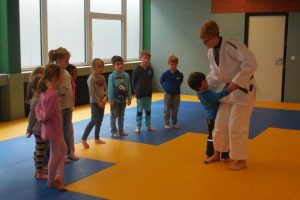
(244, 89)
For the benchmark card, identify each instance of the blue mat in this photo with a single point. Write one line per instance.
(17, 180)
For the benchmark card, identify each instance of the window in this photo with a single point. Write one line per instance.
(87, 28)
(107, 6)
(133, 29)
(30, 39)
(106, 38)
(66, 27)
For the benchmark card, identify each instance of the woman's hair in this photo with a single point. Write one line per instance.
(96, 62)
(195, 80)
(51, 71)
(70, 68)
(145, 53)
(209, 29)
(38, 70)
(173, 59)
(32, 86)
(58, 54)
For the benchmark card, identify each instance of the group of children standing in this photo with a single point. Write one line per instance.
(51, 95)
(118, 93)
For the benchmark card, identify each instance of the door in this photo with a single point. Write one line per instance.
(266, 37)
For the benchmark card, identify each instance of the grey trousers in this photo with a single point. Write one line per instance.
(171, 107)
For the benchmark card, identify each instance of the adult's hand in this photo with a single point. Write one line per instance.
(232, 86)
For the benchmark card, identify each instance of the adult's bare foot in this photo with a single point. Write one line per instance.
(238, 165)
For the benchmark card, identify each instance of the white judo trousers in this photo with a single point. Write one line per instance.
(237, 64)
(232, 128)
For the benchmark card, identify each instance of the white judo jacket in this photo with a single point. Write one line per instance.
(237, 64)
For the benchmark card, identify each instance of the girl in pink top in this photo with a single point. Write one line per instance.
(48, 112)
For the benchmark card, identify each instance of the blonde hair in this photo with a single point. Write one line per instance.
(145, 53)
(209, 29)
(58, 54)
(96, 62)
(173, 59)
(51, 71)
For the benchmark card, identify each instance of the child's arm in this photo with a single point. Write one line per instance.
(135, 77)
(216, 96)
(181, 76)
(128, 89)
(110, 89)
(91, 85)
(31, 119)
(44, 114)
(162, 80)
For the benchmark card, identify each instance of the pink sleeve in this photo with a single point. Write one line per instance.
(43, 114)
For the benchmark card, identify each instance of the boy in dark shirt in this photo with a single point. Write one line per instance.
(142, 85)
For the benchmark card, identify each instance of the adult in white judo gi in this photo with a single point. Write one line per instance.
(231, 63)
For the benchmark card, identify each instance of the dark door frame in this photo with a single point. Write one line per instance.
(246, 35)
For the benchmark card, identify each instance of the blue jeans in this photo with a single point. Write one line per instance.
(96, 120)
(117, 111)
(143, 104)
(67, 128)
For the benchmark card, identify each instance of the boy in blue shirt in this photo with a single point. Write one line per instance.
(171, 81)
(119, 90)
(210, 101)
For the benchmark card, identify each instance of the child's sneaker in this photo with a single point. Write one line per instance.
(175, 126)
(167, 126)
(123, 133)
(151, 129)
(85, 144)
(137, 130)
(99, 141)
(116, 135)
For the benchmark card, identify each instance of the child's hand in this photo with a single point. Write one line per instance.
(112, 103)
(100, 105)
(128, 102)
(28, 135)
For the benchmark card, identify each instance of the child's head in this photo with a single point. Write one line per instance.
(197, 81)
(72, 71)
(33, 86)
(38, 70)
(118, 63)
(53, 74)
(97, 66)
(173, 62)
(209, 33)
(145, 58)
(59, 56)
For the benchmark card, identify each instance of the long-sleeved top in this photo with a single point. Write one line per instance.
(119, 88)
(210, 101)
(142, 81)
(48, 112)
(97, 87)
(64, 91)
(171, 82)
(34, 126)
(236, 64)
